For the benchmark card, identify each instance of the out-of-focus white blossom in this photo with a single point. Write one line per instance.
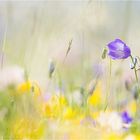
(75, 97)
(11, 76)
(110, 121)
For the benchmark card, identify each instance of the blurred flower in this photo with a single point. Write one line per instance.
(94, 114)
(132, 107)
(69, 113)
(29, 86)
(46, 96)
(27, 128)
(24, 87)
(118, 49)
(95, 98)
(126, 118)
(54, 106)
(62, 101)
(11, 76)
(112, 136)
(77, 97)
(51, 108)
(36, 89)
(106, 120)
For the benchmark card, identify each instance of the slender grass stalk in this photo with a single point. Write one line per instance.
(109, 83)
(3, 47)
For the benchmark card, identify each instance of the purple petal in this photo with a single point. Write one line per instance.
(127, 52)
(118, 49)
(126, 118)
(116, 54)
(116, 45)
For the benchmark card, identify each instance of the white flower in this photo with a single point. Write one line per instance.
(110, 120)
(75, 97)
(11, 75)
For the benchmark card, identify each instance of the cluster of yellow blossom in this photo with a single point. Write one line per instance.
(58, 119)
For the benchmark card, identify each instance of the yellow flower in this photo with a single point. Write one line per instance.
(47, 110)
(95, 115)
(62, 101)
(69, 113)
(24, 87)
(112, 136)
(29, 86)
(27, 128)
(132, 107)
(54, 107)
(95, 98)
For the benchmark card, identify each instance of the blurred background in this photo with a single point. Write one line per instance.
(34, 32)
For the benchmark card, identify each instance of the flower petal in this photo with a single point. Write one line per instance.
(127, 52)
(116, 45)
(118, 49)
(116, 54)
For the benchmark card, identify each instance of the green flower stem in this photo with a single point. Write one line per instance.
(137, 85)
(108, 92)
(3, 48)
(135, 70)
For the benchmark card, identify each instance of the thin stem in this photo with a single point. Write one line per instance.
(137, 85)
(108, 92)
(136, 75)
(110, 68)
(3, 47)
(135, 70)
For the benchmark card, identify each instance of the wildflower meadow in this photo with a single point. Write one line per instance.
(69, 70)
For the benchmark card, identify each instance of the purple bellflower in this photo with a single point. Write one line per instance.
(118, 49)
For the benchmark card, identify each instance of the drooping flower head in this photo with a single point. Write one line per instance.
(118, 49)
